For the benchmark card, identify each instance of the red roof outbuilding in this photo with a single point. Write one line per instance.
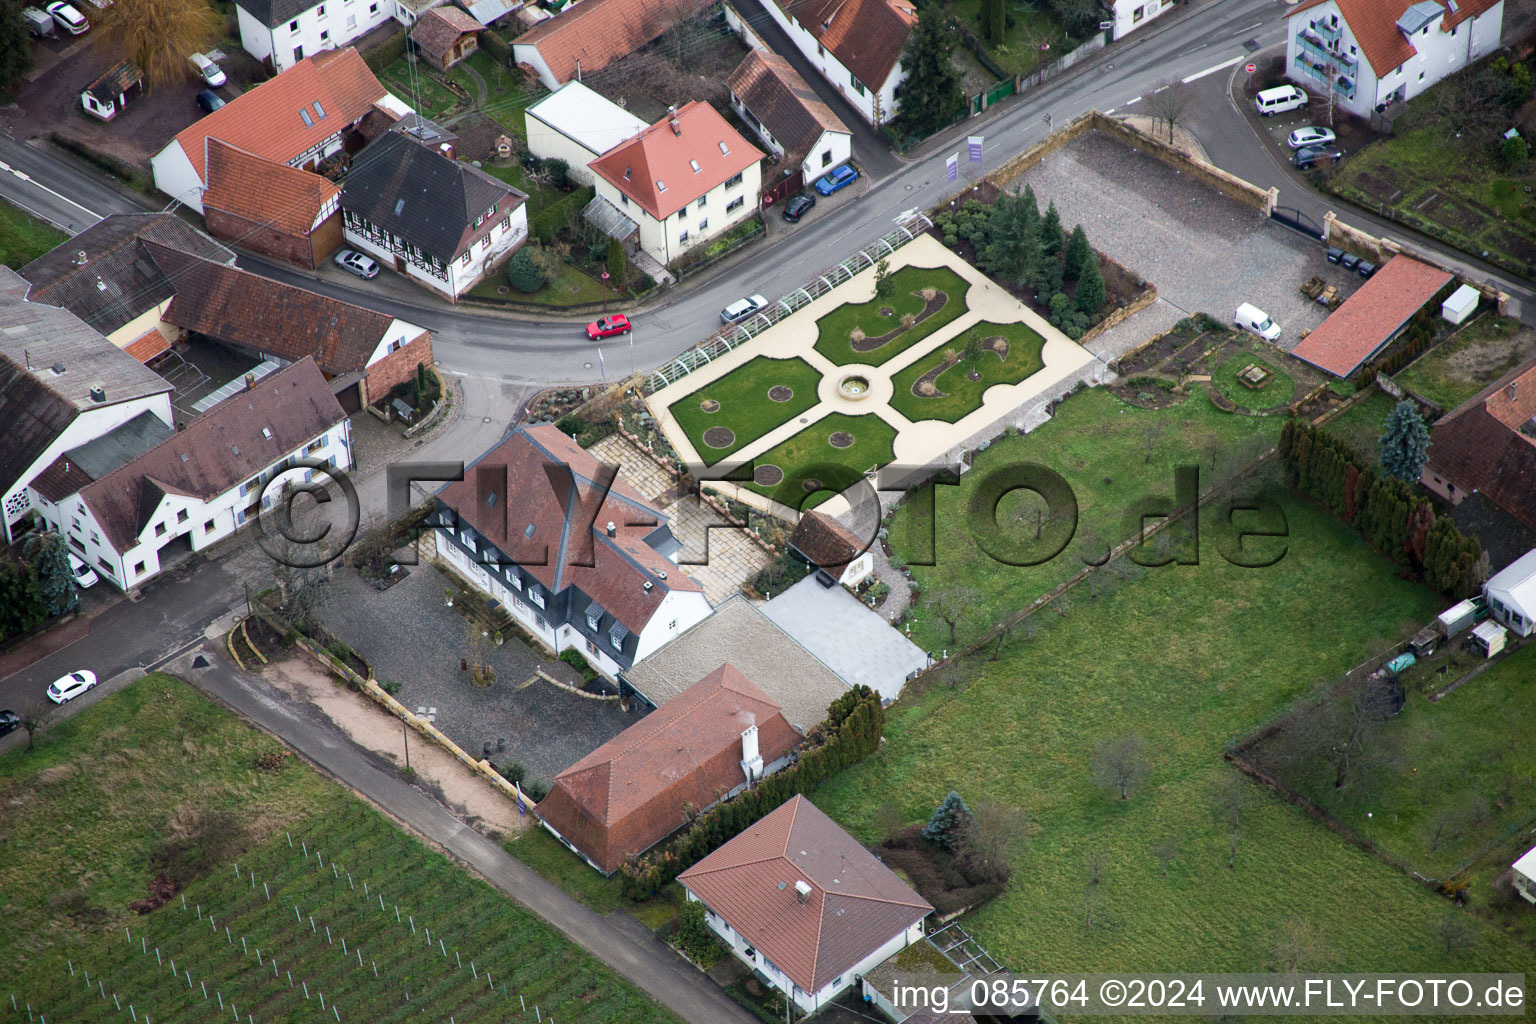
(1372, 317)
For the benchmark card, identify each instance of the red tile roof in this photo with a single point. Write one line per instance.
(1374, 26)
(440, 28)
(147, 345)
(776, 94)
(1369, 318)
(241, 308)
(655, 168)
(628, 794)
(554, 523)
(856, 903)
(1481, 445)
(266, 121)
(599, 32)
(826, 543)
(867, 36)
(264, 191)
(216, 451)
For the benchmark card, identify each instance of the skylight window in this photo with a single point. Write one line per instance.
(308, 121)
(490, 500)
(266, 432)
(399, 205)
(695, 165)
(723, 147)
(319, 110)
(661, 186)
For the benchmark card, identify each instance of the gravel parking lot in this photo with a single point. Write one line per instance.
(1204, 252)
(411, 637)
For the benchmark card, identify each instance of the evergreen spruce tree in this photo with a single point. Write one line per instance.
(1404, 442)
(1079, 253)
(48, 556)
(15, 47)
(950, 821)
(931, 96)
(1090, 289)
(21, 600)
(1050, 231)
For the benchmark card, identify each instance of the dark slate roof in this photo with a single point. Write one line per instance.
(777, 95)
(428, 199)
(115, 81)
(236, 439)
(273, 13)
(119, 446)
(105, 276)
(33, 416)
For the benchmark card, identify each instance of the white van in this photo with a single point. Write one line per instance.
(208, 71)
(1279, 100)
(1251, 318)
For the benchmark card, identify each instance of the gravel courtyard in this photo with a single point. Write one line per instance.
(1206, 253)
(411, 637)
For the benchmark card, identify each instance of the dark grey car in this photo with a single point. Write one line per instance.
(1310, 156)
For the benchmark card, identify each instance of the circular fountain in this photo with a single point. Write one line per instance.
(854, 387)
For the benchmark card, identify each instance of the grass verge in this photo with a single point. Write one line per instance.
(23, 238)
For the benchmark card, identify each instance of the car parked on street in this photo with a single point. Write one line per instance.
(209, 100)
(839, 178)
(10, 721)
(85, 576)
(1311, 156)
(68, 19)
(798, 207)
(208, 71)
(742, 308)
(67, 688)
(1311, 135)
(608, 326)
(365, 267)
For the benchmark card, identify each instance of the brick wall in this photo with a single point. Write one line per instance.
(397, 367)
(298, 249)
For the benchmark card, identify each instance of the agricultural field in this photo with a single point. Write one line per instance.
(791, 471)
(875, 331)
(177, 848)
(731, 412)
(1004, 354)
(1112, 454)
(1470, 360)
(1199, 869)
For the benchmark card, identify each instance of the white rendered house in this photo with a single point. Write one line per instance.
(1130, 15)
(284, 32)
(1511, 595)
(784, 111)
(1376, 55)
(855, 44)
(577, 125)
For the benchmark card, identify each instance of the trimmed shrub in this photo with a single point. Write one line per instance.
(524, 272)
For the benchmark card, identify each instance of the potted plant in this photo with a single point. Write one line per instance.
(498, 638)
(448, 596)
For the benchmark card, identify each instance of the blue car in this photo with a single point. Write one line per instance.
(840, 177)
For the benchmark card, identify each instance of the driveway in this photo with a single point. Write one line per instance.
(411, 637)
(1204, 252)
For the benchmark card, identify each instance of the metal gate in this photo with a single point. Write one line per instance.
(1294, 218)
(782, 189)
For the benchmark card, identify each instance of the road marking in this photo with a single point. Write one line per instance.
(23, 176)
(1111, 110)
(1212, 70)
(1136, 100)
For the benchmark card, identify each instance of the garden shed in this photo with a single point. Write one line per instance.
(1525, 875)
(1461, 305)
(1512, 595)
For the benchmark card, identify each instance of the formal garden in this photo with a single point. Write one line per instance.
(909, 305)
(823, 459)
(948, 385)
(733, 411)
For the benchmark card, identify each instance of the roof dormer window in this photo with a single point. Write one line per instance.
(626, 173)
(695, 165)
(723, 147)
(661, 186)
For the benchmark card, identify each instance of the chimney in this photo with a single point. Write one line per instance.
(646, 586)
(677, 129)
(66, 465)
(250, 381)
(802, 892)
(1514, 389)
(446, 148)
(751, 757)
(613, 531)
(98, 393)
(80, 258)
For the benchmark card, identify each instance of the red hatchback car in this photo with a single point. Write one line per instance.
(608, 326)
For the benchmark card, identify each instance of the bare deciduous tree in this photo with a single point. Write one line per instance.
(34, 715)
(1298, 946)
(1171, 105)
(1166, 850)
(998, 836)
(952, 604)
(1454, 932)
(157, 35)
(1231, 800)
(1121, 764)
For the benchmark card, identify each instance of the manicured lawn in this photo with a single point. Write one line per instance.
(1463, 772)
(570, 287)
(429, 97)
(1187, 657)
(1479, 354)
(745, 407)
(159, 782)
(810, 454)
(1276, 391)
(1100, 445)
(1361, 423)
(959, 394)
(23, 238)
(506, 97)
(835, 329)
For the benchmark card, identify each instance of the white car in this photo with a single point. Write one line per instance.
(210, 72)
(69, 19)
(71, 686)
(742, 308)
(363, 266)
(1311, 135)
(85, 576)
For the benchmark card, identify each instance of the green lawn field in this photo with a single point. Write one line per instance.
(808, 455)
(744, 404)
(155, 787)
(961, 395)
(1361, 423)
(23, 238)
(835, 329)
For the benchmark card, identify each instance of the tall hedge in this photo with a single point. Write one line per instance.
(1399, 523)
(850, 733)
